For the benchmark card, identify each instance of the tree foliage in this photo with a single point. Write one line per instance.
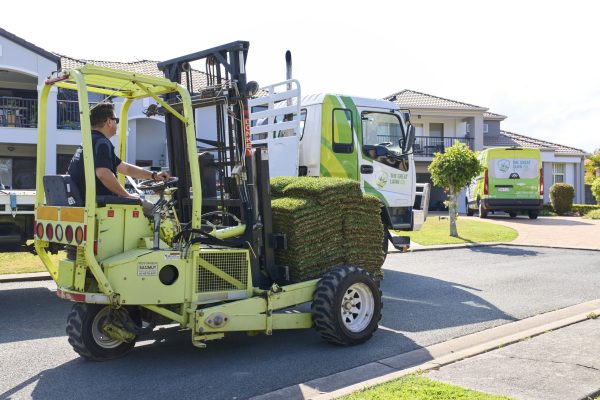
(596, 189)
(592, 167)
(453, 170)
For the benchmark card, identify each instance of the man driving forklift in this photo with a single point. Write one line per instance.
(107, 164)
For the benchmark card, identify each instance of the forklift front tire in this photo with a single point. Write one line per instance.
(346, 306)
(87, 337)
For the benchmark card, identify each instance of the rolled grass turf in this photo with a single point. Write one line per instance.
(328, 222)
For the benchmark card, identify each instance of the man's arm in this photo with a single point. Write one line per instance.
(109, 180)
(140, 173)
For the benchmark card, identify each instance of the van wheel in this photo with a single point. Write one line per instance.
(513, 214)
(346, 306)
(533, 215)
(470, 211)
(482, 211)
(87, 337)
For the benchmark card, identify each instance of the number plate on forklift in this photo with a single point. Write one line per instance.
(147, 269)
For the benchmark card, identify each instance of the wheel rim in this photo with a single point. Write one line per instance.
(101, 338)
(357, 307)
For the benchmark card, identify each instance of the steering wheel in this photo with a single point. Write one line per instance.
(157, 186)
(386, 144)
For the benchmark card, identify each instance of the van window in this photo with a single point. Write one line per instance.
(342, 131)
(524, 168)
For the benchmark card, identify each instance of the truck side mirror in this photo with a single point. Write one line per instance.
(410, 139)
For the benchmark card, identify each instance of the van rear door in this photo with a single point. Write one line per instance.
(514, 174)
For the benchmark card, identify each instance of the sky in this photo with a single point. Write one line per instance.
(536, 62)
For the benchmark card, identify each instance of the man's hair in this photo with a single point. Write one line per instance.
(101, 113)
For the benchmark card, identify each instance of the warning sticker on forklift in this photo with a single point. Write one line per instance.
(174, 255)
(147, 269)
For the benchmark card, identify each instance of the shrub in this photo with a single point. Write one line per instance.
(561, 197)
(594, 214)
(583, 209)
(596, 189)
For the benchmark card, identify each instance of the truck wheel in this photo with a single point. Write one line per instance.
(512, 214)
(533, 215)
(84, 328)
(482, 211)
(470, 211)
(346, 306)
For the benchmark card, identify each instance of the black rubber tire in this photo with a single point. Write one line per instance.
(470, 211)
(533, 215)
(512, 214)
(79, 331)
(327, 304)
(482, 211)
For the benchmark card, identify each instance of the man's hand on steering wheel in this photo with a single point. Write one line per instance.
(161, 176)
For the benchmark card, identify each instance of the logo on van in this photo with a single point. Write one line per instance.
(504, 165)
(382, 179)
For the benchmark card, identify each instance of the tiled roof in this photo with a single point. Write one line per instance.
(510, 139)
(146, 67)
(413, 99)
(489, 115)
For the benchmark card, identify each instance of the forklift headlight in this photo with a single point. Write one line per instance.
(39, 230)
(69, 233)
(58, 231)
(79, 235)
(49, 231)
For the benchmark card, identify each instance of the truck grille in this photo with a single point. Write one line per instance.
(232, 263)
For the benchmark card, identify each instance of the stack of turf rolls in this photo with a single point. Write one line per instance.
(328, 222)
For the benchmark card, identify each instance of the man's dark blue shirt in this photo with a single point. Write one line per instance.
(104, 157)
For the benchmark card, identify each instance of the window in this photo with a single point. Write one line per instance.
(342, 131)
(379, 127)
(558, 173)
(485, 128)
(436, 130)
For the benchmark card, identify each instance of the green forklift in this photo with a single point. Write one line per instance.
(205, 257)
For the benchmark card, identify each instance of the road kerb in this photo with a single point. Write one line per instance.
(34, 276)
(337, 385)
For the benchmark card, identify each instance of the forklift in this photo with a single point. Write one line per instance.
(205, 258)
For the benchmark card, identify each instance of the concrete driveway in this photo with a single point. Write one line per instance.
(571, 232)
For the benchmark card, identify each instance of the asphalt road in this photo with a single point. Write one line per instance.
(429, 297)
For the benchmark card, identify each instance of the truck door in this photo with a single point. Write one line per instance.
(384, 170)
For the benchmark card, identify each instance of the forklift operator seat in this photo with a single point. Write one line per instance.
(60, 190)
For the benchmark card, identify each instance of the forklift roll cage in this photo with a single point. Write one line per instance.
(130, 86)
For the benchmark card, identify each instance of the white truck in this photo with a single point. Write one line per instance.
(362, 139)
(16, 216)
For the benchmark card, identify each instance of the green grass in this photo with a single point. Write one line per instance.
(594, 214)
(436, 231)
(19, 261)
(414, 387)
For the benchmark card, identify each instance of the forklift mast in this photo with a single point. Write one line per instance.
(234, 176)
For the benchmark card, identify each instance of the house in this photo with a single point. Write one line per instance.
(439, 122)
(23, 69)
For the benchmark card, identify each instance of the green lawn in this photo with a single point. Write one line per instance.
(437, 231)
(414, 387)
(19, 261)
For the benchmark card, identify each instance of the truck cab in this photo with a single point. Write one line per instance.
(358, 138)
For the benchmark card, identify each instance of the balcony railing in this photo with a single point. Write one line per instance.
(426, 146)
(68, 114)
(17, 112)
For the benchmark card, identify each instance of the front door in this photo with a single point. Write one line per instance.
(384, 171)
